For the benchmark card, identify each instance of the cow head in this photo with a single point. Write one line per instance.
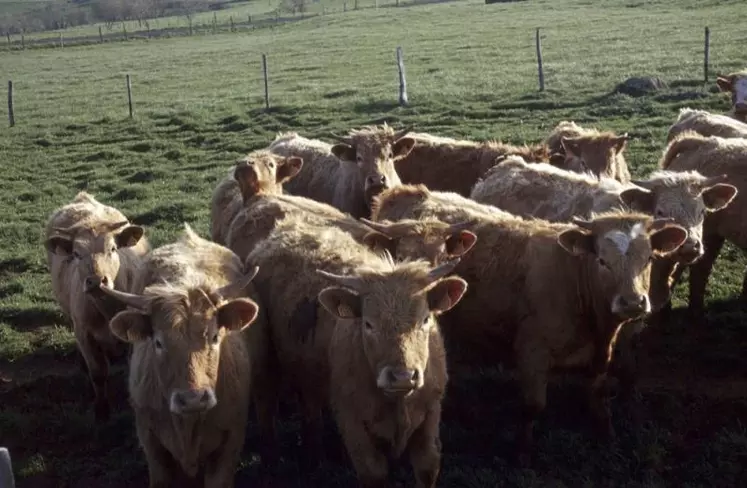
(265, 172)
(594, 153)
(736, 84)
(184, 330)
(428, 239)
(685, 198)
(395, 313)
(94, 250)
(374, 151)
(620, 248)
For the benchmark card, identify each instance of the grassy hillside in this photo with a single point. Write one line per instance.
(471, 72)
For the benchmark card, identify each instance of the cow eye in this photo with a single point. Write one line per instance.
(427, 322)
(271, 165)
(367, 325)
(603, 263)
(660, 213)
(114, 249)
(158, 344)
(214, 339)
(359, 158)
(76, 255)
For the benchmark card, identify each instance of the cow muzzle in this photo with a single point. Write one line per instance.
(690, 251)
(192, 401)
(631, 306)
(93, 283)
(399, 381)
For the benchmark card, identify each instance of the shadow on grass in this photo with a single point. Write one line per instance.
(29, 318)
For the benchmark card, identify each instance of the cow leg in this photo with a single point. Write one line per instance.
(221, 468)
(312, 429)
(161, 464)
(371, 466)
(266, 396)
(98, 372)
(699, 273)
(534, 365)
(425, 449)
(599, 409)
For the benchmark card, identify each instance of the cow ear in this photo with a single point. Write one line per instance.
(237, 314)
(341, 302)
(403, 146)
(621, 142)
(379, 242)
(576, 242)
(724, 83)
(458, 243)
(570, 146)
(638, 199)
(344, 152)
(129, 236)
(718, 196)
(60, 245)
(446, 294)
(131, 326)
(667, 240)
(290, 168)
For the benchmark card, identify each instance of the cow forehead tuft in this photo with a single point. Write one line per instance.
(622, 239)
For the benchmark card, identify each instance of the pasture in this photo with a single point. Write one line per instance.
(471, 72)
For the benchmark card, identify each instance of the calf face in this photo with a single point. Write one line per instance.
(374, 152)
(430, 239)
(593, 153)
(623, 247)
(397, 313)
(185, 328)
(94, 251)
(686, 198)
(736, 84)
(263, 171)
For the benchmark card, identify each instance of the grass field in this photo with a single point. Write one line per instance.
(471, 72)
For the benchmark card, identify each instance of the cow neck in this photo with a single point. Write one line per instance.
(188, 432)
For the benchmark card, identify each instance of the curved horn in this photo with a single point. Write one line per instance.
(660, 223)
(112, 226)
(352, 282)
(388, 230)
(138, 302)
(715, 179)
(443, 269)
(344, 139)
(403, 132)
(66, 230)
(460, 226)
(645, 184)
(584, 224)
(235, 288)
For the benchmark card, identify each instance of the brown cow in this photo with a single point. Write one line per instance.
(445, 164)
(193, 363)
(356, 329)
(264, 204)
(723, 160)
(546, 294)
(348, 174)
(706, 124)
(89, 243)
(601, 153)
(736, 84)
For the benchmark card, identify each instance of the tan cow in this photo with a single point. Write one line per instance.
(348, 174)
(723, 160)
(736, 84)
(706, 124)
(589, 150)
(264, 204)
(88, 243)
(547, 295)
(194, 362)
(446, 164)
(356, 329)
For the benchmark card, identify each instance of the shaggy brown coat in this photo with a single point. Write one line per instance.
(194, 363)
(721, 159)
(445, 164)
(736, 85)
(369, 345)
(546, 294)
(88, 242)
(348, 174)
(706, 124)
(589, 150)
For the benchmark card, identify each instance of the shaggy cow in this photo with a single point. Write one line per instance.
(588, 150)
(349, 174)
(546, 294)
(89, 243)
(453, 165)
(353, 327)
(736, 84)
(706, 124)
(193, 360)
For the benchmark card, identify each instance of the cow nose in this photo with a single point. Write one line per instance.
(636, 302)
(376, 180)
(93, 282)
(197, 400)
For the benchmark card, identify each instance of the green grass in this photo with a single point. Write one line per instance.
(471, 72)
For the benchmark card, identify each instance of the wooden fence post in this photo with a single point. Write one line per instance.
(23, 41)
(233, 29)
(267, 89)
(124, 30)
(11, 114)
(7, 34)
(62, 42)
(706, 53)
(402, 81)
(129, 94)
(215, 22)
(101, 36)
(540, 71)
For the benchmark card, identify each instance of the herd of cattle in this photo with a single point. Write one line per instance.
(341, 274)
